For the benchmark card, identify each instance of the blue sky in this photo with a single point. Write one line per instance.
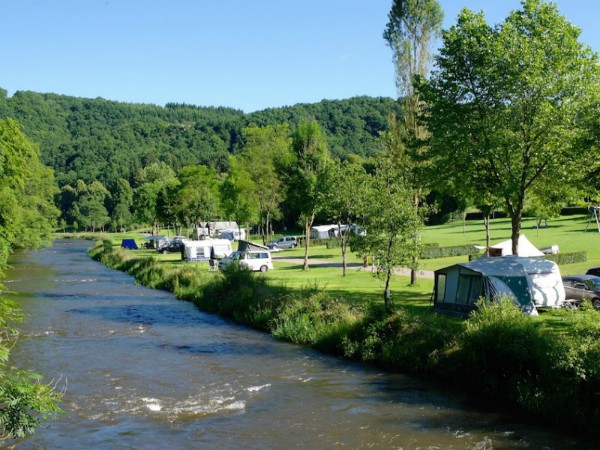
(249, 55)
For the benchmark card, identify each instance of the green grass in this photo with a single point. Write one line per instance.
(568, 232)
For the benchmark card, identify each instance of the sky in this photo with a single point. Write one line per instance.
(247, 55)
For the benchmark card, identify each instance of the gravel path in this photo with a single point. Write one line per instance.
(316, 262)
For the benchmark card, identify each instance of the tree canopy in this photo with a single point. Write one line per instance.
(506, 104)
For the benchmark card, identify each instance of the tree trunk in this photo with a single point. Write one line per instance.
(386, 293)
(486, 221)
(307, 243)
(268, 227)
(343, 244)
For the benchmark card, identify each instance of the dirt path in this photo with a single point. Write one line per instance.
(357, 266)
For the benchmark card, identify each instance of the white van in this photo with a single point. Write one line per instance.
(256, 260)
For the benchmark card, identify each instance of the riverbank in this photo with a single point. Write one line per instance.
(551, 373)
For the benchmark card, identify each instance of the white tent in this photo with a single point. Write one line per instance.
(526, 248)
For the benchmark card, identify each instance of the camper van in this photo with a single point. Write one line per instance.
(255, 260)
(253, 256)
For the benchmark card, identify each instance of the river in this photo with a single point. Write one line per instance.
(142, 370)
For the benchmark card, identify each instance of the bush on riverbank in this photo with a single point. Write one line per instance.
(498, 352)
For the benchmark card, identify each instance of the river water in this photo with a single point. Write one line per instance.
(142, 370)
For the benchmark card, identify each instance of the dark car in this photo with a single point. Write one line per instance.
(578, 287)
(594, 271)
(171, 245)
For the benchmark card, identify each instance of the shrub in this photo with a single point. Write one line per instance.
(432, 251)
(502, 353)
(567, 258)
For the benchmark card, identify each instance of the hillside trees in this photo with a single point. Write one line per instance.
(506, 104)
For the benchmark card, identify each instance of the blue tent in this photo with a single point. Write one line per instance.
(129, 243)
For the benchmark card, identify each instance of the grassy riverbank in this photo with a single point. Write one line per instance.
(548, 367)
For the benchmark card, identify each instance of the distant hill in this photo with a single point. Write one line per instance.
(97, 139)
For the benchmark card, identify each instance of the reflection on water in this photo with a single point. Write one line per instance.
(144, 370)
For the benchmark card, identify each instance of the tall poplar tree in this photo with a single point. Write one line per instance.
(412, 28)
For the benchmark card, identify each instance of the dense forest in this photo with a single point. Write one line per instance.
(108, 156)
(101, 140)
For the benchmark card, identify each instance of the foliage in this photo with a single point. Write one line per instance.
(391, 218)
(27, 212)
(260, 186)
(507, 105)
(27, 216)
(413, 26)
(304, 172)
(435, 251)
(567, 258)
(150, 181)
(510, 357)
(345, 200)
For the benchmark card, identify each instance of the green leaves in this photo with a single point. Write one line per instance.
(506, 104)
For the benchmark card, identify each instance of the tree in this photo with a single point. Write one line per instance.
(304, 173)
(85, 204)
(505, 104)
(197, 197)
(390, 221)
(345, 199)
(27, 216)
(122, 203)
(150, 180)
(413, 26)
(262, 147)
(236, 194)
(27, 212)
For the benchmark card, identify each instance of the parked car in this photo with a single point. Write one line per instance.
(578, 287)
(256, 260)
(283, 242)
(171, 245)
(594, 271)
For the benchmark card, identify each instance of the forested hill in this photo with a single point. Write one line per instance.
(97, 139)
